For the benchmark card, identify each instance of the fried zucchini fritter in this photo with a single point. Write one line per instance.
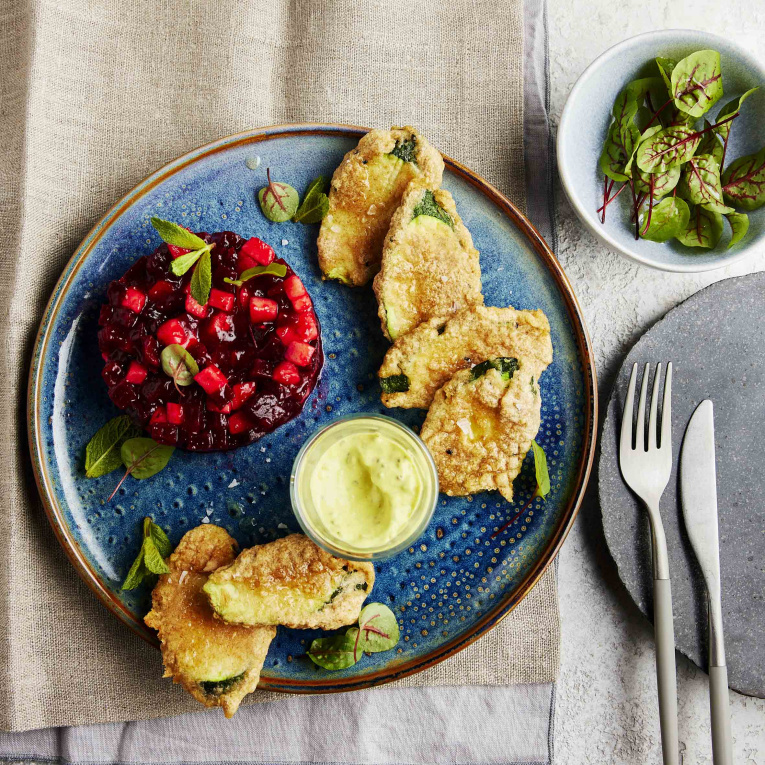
(365, 192)
(429, 265)
(479, 429)
(421, 361)
(217, 663)
(292, 582)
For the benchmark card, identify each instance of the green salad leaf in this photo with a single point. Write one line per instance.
(540, 468)
(744, 182)
(144, 457)
(315, 204)
(667, 219)
(703, 229)
(179, 364)
(278, 201)
(701, 184)
(739, 225)
(272, 269)
(334, 652)
(102, 454)
(697, 82)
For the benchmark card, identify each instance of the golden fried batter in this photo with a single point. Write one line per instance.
(479, 431)
(292, 582)
(217, 663)
(429, 265)
(365, 191)
(422, 360)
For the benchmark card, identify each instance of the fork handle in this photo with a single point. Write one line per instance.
(722, 748)
(664, 632)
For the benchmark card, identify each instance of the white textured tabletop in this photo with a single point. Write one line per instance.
(606, 702)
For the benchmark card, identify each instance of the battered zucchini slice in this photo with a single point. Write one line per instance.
(217, 663)
(421, 361)
(429, 265)
(292, 582)
(480, 426)
(365, 192)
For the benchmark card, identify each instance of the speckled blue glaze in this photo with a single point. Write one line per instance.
(456, 581)
(584, 125)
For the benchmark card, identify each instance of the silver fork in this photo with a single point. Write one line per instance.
(646, 469)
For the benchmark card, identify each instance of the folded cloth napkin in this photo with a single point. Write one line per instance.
(95, 97)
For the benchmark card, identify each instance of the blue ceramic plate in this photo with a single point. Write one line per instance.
(450, 587)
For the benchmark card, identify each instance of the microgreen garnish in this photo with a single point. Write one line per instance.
(542, 488)
(394, 384)
(278, 201)
(315, 204)
(377, 631)
(178, 236)
(428, 206)
(179, 364)
(102, 454)
(150, 561)
(272, 269)
(142, 458)
(672, 154)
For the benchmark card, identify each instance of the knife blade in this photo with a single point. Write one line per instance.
(698, 490)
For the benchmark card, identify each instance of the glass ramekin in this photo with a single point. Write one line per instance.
(306, 461)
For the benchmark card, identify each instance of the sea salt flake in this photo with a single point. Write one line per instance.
(209, 511)
(282, 526)
(233, 484)
(335, 229)
(285, 242)
(464, 425)
(205, 520)
(184, 574)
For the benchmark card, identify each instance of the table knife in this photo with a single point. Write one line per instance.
(698, 488)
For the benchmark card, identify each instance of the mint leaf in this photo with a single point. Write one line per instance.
(158, 536)
(136, 574)
(201, 279)
(144, 457)
(540, 467)
(278, 201)
(102, 454)
(176, 235)
(315, 204)
(152, 558)
(335, 652)
(378, 630)
(179, 364)
(272, 269)
(183, 263)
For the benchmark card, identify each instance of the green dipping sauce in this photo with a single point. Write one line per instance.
(364, 487)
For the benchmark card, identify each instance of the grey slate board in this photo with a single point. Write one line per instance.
(716, 341)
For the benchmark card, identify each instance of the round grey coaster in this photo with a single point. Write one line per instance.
(716, 341)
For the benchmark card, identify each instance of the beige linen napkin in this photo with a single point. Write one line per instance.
(95, 96)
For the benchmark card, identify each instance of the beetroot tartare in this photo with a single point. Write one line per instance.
(257, 346)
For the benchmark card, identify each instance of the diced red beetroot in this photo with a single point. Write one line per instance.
(148, 351)
(286, 373)
(173, 332)
(299, 354)
(211, 379)
(226, 408)
(134, 299)
(262, 309)
(263, 368)
(287, 334)
(160, 415)
(257, 250)
(105, 356)
(302, 303)
(136, 373)
(161, 290)
(238, 422)
(242, 391)
(219, 329)
(307, 327)
(221, 299)
(194, 308)
(243, 297)
(293, 287)
(174, 413)
(176, 252)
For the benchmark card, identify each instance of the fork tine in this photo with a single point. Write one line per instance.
(640, 439)
(653, 432)
(666, 410)
(625, 443)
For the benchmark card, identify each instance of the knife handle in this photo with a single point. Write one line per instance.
(664, 631)
(722, 746)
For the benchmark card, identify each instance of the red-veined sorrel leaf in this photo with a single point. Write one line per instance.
(710, 143)
(744, 181)
(732, 107)
(703, 228)
(701, 185)
(663, 183)
(667, 148)
(697, 82)
(668, 218)
(617, 150)
(666, 65)
(739, 225)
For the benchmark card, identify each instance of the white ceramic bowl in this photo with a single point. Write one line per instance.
(586, 118)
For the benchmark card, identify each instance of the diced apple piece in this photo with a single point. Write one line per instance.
(136, 373)
(256, 250)
(161, 290)
(211, 379)
(194, 308)
(286, 373)
(262, 309)
(173, 332)
(242, 391)
(238, 423)
(134, 299)
(222, 300)
(299, 354)
(175, 413)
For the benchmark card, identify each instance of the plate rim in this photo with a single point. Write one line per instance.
(54, 511)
